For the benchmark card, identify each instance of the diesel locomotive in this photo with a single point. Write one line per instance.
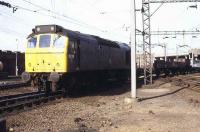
(59, 59)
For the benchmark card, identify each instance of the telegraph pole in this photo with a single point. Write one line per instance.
(133, 48)
(16, 57)
(165, 51)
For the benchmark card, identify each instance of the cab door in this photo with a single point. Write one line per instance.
(74, 55)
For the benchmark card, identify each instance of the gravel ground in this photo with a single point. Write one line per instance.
(110, 109)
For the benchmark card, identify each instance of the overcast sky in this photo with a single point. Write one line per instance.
(105, 18)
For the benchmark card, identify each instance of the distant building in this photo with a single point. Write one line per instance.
(195, 51)
(195, 57)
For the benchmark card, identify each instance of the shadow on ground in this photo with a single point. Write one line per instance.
(109, 88)
(103, 89)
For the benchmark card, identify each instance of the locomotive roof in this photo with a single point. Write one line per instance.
(58, 29)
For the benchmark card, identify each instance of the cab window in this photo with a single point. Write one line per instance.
(45, 41)
(32, 42)
(59, 41)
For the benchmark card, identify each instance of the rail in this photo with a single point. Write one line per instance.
(13, 85)
(14, 103)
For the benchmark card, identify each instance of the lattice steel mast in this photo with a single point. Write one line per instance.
(146, 42)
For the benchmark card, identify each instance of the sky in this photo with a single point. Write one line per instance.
(108, 19)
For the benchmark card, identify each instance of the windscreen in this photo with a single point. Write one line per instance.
(45, 41)
(59, 41)
(32, 42)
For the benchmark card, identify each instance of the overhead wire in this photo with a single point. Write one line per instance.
(52, 6)
(9, 31)
(16, 20)
(63, 15)
(53, 12)
(67, 17)
(59, 16)
(19, 20)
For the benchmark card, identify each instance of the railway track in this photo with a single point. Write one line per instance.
(192, 80)
(6, 86)
(14, 103)
(20, 102)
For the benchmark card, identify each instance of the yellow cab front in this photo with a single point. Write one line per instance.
(46, 53)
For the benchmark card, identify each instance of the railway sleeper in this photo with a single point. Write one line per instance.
(27, 103)
(18, 106)
(19, 99)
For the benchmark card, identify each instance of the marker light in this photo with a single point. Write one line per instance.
(52, 28)
(38, 29)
